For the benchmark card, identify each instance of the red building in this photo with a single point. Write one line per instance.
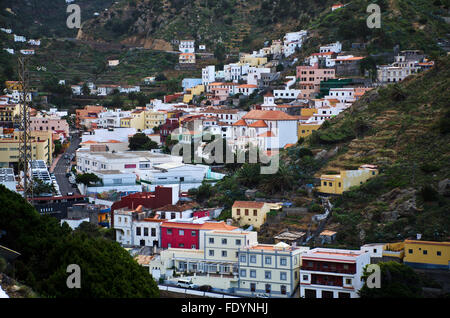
(151, 200)
(166, 129)
(188, 235)
(201, 213)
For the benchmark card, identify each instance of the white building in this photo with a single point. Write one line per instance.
(208, 74)
(102, 135)
(129, 161)
(115, 180)
(27, 52)
(268, 269)
(8, 179)
(10, 51)
(113, 62)
(111, 119)
(129, 89)
(254, 74)
(292, 40)
(19, 38)
(397, 71)
(187, 46)
(332, 273)
(333, 47)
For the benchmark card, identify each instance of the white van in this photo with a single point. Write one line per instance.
(185, 283)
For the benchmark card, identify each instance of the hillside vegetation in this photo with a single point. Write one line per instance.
(404, 129)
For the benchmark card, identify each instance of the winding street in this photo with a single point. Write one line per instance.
(62, 167)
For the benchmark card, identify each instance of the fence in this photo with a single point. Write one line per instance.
(194, 292)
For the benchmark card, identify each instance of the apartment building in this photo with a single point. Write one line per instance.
(208, 74)
(269, 269)
(332, 273)
(50, 123)
(310, 78)
(397, 71)
(41, 147)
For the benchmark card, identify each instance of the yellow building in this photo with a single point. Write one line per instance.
(250, 213)
(154, 119)
(125, 122)
(252, 61)
(8, 114)
(337, 184)
(13, 85)
(308, 111)
(41, 147)
(426, 254)
(194, 91)
(306, 129)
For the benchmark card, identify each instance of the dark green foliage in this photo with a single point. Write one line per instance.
(397, 281)
(87, 179)
(428, 193)
(107, 270)
(141, 141)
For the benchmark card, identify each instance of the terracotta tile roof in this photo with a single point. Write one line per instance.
(268, 94)
(178, 207)
(240, 122)
(268, 115)
(258, 124)
(248, 204)
(267, 134)
(247, 86)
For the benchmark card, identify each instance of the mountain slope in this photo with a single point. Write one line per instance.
(404, 129)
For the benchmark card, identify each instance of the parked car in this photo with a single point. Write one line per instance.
(185, 283)
(205, 288)
(261, 296)
(69, 193)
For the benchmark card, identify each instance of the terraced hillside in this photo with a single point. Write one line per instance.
(404, 129)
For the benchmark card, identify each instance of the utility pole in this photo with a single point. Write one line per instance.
(25, 149)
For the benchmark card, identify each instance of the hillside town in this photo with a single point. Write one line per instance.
(86, 167)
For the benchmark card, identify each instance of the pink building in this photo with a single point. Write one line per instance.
(310, 78)
(54, 124)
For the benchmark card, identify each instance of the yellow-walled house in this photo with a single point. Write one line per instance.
(154, 119)
(193, 91)
(250, 213)
(41, 147)
(308, 111)
(337, 184)
(306, 129)
(125, 122)
(426, 254)
(252, 60)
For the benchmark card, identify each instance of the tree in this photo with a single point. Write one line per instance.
(47, 248)
(397, 281)
(219, 52)
(41, 187)
(85, 90)
(87, 179)
(141, 141)
(116, 101)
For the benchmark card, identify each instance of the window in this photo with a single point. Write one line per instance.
(238, 242)
(252, 287)
(305, 277)
(252, 258)
(255, 212)
(211, 240)
(425, 252)
(348, 281)
(283, 261)
(268, 288)
(283, 289)
(181, 232)
(238, 212)
(253, 273)
(243, 259)
(283, 276)
(268, 260)
(246, 211)
(169, 231)
(153, 232)
(267, 274)
(145, 231)
(181, 245)
(138, 231)
(438, 253)
(169, 245)
(193, 246)
(243, 273)
(224, 241)
(211, 252)
(193, 233)
(224, 253)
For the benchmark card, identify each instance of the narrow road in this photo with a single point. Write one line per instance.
(62, 168)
